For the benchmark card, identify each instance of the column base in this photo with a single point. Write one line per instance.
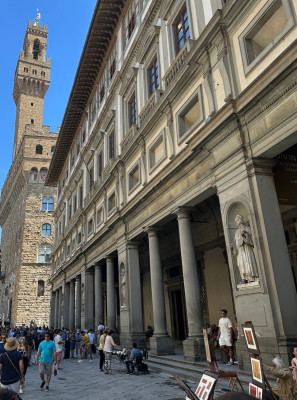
(126, 340)
(161, 345)
(194, 349)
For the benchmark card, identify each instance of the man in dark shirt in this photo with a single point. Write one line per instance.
(135, 353)
(11, 366)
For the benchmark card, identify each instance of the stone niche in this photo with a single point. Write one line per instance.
(241, 241)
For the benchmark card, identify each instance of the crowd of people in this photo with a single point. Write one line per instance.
(23, 347)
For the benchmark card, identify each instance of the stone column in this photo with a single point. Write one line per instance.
(111, 310)
(194, 349)
(160, 342)
(53, 305)
(89, 299)
(66, 305)
(72, 304)
(99, 312)
(78, 303)
(60, 309)
(56, 309)
(130, 296)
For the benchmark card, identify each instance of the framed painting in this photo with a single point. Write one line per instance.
(206, 343)
(250, 338)
(257, 371)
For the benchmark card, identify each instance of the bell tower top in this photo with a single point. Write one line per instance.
(31, 80)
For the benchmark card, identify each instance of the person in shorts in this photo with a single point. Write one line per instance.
(47, 355)
(225, 335)
(59, 347)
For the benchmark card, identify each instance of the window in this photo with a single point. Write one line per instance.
(26, 69)
(132, 110)
(46, 230)
(47, 204)
(134, 177)
(73, 245)
(32, 104)
(102, 93)
(79, 238)
(36, 49)
(157, 152)
(153, 77)
(32, 121)
(40, 288)
(83, 136)
(69, 211)
(111, 145)
(93, 109)
(34, 71)
(43, 174)
(34, 175)
(74, 204)
(38, 149)
(81, 196)
(182, 31)
(112, 69)
(99, 216)
(265, 31)
(100, 163)
(42, 73)
(112, 64)
(91, 177)
(130, 21)
(190, 115)
(90, 226)
(44, 253)
(111, 203)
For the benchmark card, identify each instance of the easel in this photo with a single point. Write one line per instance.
(213, 367)
(269, 387)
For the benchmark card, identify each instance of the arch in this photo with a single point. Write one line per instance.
(44, 253)
(36, 49)
(40, 288)
(43, 174)
(38, 149)
(46, 229)
(34, 175)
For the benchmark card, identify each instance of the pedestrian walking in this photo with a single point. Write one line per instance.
(11, 366)
(101, 352)
(47, 355)
(23, 348)
(109, 344)
(225, 335)
(59, 347)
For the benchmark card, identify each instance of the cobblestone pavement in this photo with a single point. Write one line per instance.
(82, 380)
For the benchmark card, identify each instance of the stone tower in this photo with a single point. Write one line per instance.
(26, 203)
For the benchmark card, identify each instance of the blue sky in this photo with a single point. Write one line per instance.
(68, 23)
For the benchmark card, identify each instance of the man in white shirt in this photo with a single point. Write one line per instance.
(225, 335)
(59, 347)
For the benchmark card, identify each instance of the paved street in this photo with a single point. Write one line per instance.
(83, 381)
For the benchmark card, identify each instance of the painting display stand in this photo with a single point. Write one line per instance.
(213, 366)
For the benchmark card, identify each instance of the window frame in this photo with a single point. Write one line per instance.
(150, 68)
(249, 66)
(180, 18)
(46, 229)
(132, 110)
(136, 166)
(152, 146)
(184, 110)
(111, 210)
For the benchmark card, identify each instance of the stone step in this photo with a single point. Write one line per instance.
(188, 370)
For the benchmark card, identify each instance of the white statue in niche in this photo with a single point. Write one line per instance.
(243, 249)
(123, 287)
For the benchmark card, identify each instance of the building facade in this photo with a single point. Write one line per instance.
(26, 210)
(168, 163)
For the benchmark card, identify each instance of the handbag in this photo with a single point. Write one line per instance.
(21, 376)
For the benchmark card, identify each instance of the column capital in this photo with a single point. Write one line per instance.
(99, 264)
(183, 212)
(109, 257)
(151, 230)
(259, 165)
(132, 244)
